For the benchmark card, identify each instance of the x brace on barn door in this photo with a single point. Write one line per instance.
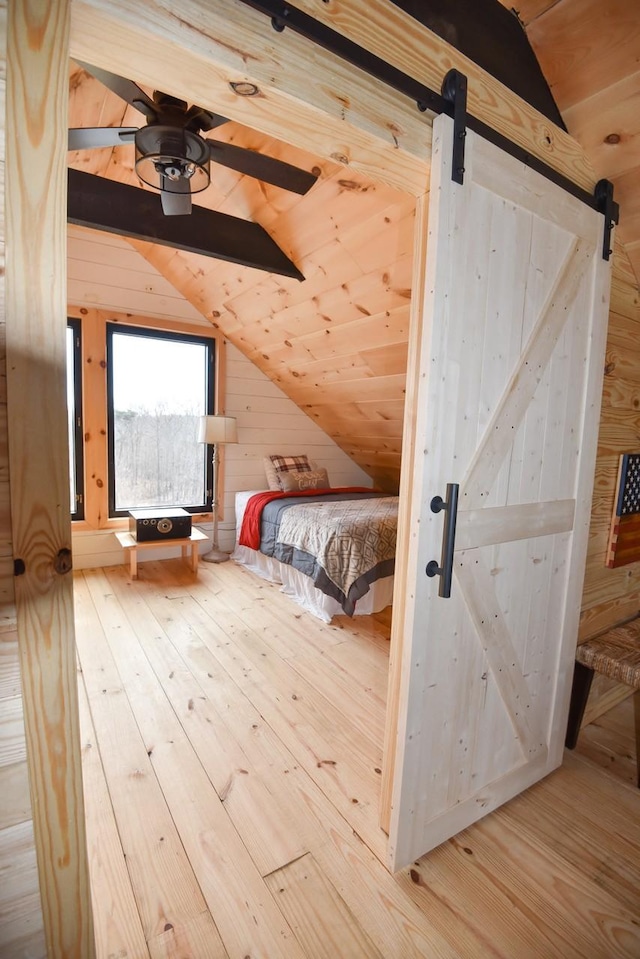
(452, 101)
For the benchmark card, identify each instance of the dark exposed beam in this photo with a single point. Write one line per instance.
(128, 211)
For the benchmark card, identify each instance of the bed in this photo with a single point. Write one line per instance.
(332, 550)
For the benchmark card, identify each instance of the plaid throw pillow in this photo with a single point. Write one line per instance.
(290, 464)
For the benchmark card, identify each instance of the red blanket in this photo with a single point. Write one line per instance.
(250, 529)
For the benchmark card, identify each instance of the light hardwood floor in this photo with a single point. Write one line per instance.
(232, 755)
(610, 742)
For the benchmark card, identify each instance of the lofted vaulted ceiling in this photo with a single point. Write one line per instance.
(337, 342)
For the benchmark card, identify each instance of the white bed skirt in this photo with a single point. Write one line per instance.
(301, 589)
(295, 584)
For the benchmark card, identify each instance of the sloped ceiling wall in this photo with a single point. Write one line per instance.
(336, 344)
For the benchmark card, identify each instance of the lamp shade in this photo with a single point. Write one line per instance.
(217, 429)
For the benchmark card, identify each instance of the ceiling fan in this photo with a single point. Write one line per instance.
(171, 154)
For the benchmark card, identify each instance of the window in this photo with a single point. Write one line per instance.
(74, 418)
(158, 385)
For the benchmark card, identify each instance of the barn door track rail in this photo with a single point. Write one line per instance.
(452, 100)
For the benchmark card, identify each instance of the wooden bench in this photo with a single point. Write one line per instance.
(615, 654)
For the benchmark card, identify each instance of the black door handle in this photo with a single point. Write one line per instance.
(445, 569)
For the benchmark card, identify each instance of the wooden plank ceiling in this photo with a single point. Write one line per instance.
(337, 343)
(589, 52)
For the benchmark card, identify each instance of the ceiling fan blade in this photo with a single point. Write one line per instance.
(177, 200)
(209, 121)
(262, 167)
(126, 89)
(87, 138)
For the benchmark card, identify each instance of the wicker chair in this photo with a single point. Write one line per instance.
(615, 654)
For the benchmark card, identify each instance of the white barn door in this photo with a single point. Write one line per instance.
(508, 397)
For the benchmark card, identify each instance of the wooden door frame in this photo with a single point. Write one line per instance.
(35, 299)
(362, 123)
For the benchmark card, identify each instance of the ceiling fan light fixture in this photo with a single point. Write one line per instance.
(167, 159)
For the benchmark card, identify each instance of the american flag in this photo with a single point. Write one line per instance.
(624, 538)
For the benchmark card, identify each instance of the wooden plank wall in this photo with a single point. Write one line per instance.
(611, 596)
(269, 422)
(104, 273)
(21, 926)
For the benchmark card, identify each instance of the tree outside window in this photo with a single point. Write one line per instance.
(158, 384)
